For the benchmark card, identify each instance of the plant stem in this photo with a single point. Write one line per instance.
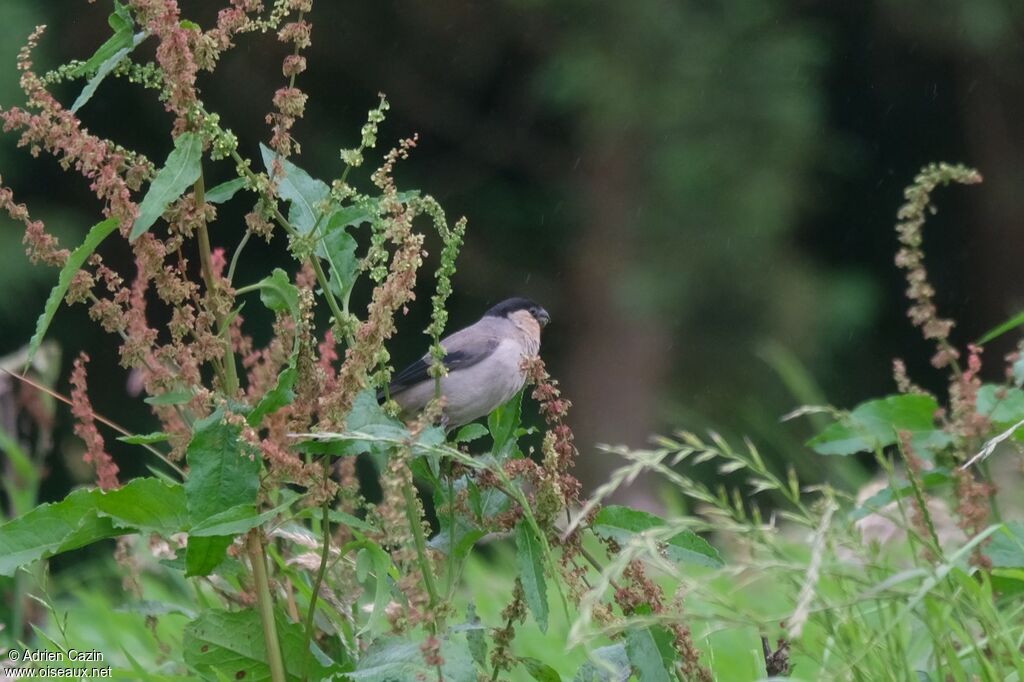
(236, 254)
(206, 260)
(264, 599)
(265, 603)
(416, 525)
(324, 556)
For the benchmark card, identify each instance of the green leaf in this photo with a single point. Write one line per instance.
(1007, 547)
(379, 562)
(146, 504)
(470, 433)
(170, 398)
(540, 671)
(390, 659)
(646, 657)
(997, 331)
(932, 478)
(338, 248)
(296, 186)
(475, 636)
(180, 171)
(97, 234)
(621, 523)
(225, 191)
(22, 483)
(503, 422)
(231, 643)
(874, 425)
(108, 65)
(203, 555)
(283, 393)
(144, 438)
(223, 473)
(240, 518)
(51, 529)
(121, 22)
(280, 295)
(530, 560)
(1003, 405)
(607, 664)
(367, 417)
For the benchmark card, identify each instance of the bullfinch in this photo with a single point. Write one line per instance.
(484, 362)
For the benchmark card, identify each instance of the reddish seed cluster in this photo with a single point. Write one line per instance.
(174, 53)
(641, 592)
(85, 428)
(41, 247)
(230, 22)
(966, 421)
(112, 174)
(289, 101)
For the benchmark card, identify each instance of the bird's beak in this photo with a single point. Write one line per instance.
(543, 318)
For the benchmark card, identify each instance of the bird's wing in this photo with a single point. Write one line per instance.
(465, 347)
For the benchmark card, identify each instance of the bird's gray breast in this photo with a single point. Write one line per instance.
(475, 391)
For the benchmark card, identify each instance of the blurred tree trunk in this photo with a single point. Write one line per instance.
(995, 135)
(617, 358)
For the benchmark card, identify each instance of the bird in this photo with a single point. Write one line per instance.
(484, 363)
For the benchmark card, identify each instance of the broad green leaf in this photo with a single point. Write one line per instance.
(367, 417)
(475, 636)
(390, 659)
(338, 248)
(51, 529)
(646, 657)
(530, 561)
(1007, 547)
(540, 671)
(144, 438)
(1003, 405)
(180, 171)
(503, 422)
(104, 69)
(224, 191)
(231, 643)
(146, 504)
(932, 478)
(224, 473)
(97, 234)
(470, 433)
(282, 394)
(874, 425)
(240, 518)
(203, 555)
(170, 398)
(280, 295)
(302, 191)
(607, 664)
(378, 561)
(621, 523)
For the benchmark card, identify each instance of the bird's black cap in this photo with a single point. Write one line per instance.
(511, 305)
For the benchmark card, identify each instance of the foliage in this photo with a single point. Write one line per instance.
(254, 497)
(254, 551)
